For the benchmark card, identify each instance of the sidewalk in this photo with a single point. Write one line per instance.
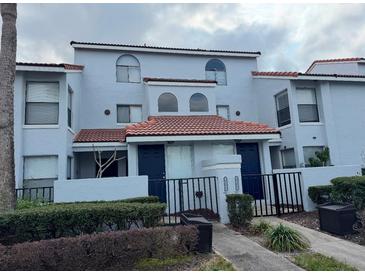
(342, 250)
(245, 254)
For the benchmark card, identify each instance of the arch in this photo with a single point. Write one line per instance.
(216, 70)
(128, 69)
(198, 103)
(167, 102)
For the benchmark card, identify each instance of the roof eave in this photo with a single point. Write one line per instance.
(161, 50)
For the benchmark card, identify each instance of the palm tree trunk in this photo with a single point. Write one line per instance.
(7, 77)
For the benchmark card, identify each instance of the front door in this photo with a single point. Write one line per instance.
(151, 162)
(250, 166)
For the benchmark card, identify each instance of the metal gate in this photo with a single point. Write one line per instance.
(281, 193)
(194, 195)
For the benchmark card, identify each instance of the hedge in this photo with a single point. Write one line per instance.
(240, 210)
(56, 221)
(118, 250)
(349, 190)
(320, 194)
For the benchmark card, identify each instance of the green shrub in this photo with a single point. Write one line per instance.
(56, 221)
(261, 227)
(349, 190)
(117, 250)
(285, 239)
(321, 158)
(143, 200)
(240, 210)
(320, 194)
(26, 204)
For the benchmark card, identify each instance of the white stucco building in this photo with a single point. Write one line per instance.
(167, 111)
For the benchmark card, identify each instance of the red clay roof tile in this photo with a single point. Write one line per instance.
(100, 135)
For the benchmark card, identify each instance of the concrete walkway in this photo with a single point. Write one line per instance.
(344, 251)
(246, 254)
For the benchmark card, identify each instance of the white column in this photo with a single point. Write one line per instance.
(266, 159)
(132, 160)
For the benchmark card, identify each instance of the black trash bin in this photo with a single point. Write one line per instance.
(337, 218)
(205, 229)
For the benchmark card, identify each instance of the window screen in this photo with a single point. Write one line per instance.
(288, 158)
(198, 103)
(223, 111)
(307, 105)
(129, 113)
(167, 102)
(310, 152)
(282, 109)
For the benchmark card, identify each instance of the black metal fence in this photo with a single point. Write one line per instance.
(44, 194)
(274, 194)
(194, 195)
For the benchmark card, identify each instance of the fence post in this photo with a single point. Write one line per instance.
(276, 194)
(181, 196)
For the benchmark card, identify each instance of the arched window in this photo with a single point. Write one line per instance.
(216, 70)
(167, 102)
(128, 69)
(198, 103)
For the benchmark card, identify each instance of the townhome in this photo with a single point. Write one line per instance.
(172, 113)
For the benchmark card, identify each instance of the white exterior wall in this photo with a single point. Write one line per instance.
(101, 91)
(336, 68)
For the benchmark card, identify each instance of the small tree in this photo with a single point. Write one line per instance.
(322, 158)
(102, 166)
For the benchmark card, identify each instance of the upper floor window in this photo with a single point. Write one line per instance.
(128, 69)
(307, 105)
(41, 103)
(167, 102)
(216, 70)
(69, 107)
(198, 103)
(223, 111)
(282, 108)
(129, 113)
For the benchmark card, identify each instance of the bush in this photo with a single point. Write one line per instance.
(118, 250)
(240, 210)
(56, 221)
(261, 227)
(26, 204)
(349, 190)
(320, 194)
(285, 239)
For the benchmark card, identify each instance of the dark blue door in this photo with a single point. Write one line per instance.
(151, 162)
(250, 166)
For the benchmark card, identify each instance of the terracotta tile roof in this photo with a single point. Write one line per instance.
(60, 65)
(164, 48)
(151, 79)
(195, 125)
(338, 60)
(100, 135)
(300, 74)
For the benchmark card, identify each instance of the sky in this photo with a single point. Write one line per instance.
(289, 36)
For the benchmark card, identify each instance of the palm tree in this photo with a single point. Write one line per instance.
(7, 77)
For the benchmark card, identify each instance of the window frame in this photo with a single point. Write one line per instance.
(282, 158)
(206, 100)
(70, 93)
(169, 111)
(228, 111)
(129, 113)
(215, 72)
(276, 96)
(316, 104)
(128, 70)
(50, 125)
(41, 179)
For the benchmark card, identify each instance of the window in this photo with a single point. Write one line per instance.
(223, 111)
(128, 69)
(310, 152)
(69, 168)
(167, 102)
(282, 109)
(288, 158)
(307, 105)
(69, 107)
(129, 113)
(41, 103)
(198, 103)
(40, 170)
(180, 161)
(216, 70)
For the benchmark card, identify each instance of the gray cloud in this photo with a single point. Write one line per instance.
(289, 36)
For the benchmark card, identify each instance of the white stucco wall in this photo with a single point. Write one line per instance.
(336, 68)
(100, 189)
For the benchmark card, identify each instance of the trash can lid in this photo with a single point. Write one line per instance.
(336, 206)
(194, 218)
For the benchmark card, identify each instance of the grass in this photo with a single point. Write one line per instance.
(282, 238)
(217, 263)
(151, 264)
(319, 262)
(260, 227)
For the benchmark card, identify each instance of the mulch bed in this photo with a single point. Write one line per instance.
(311, 220)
